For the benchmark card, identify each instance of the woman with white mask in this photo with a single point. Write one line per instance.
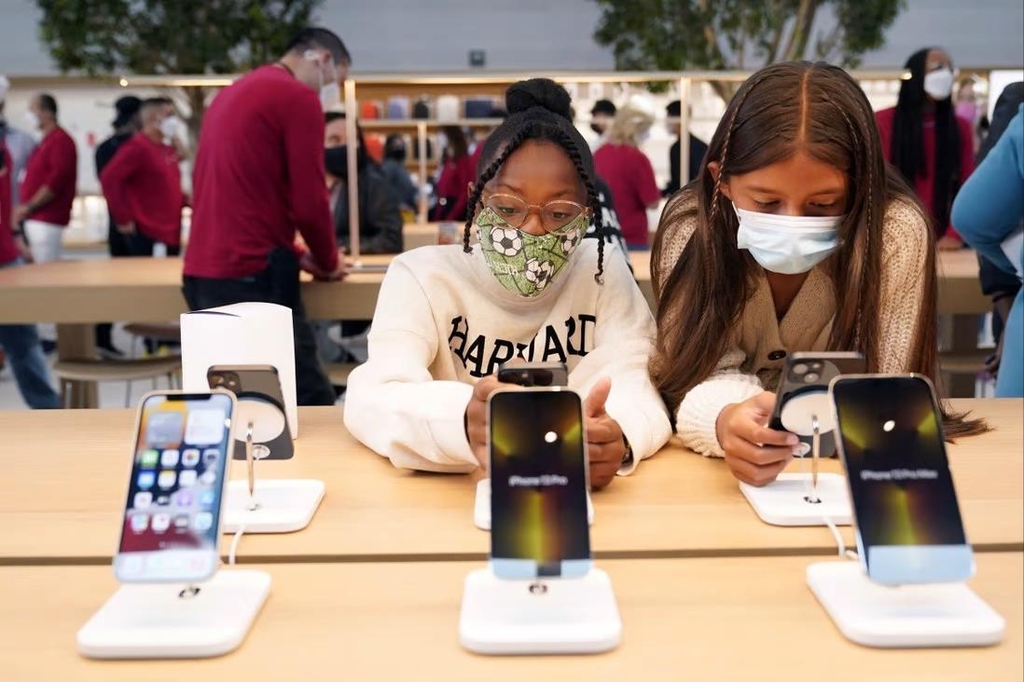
(795, 237)
(931, 146)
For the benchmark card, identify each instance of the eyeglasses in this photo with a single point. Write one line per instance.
(554, 215)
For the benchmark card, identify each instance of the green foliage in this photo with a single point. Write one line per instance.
(113, 37)
(675, 35)
(169, 36)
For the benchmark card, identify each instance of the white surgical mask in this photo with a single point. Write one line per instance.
(330, 95)
(32, 120)
(330, 91)
(169, 127)
(788, 245)
(939, 84)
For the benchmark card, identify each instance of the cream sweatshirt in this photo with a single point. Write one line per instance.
(753, 358)
(443, 322)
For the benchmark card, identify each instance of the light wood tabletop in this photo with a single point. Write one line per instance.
(149, 290)
(683, 619)
(65, 476)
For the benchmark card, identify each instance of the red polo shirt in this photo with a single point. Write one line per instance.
(259, 178)
(8, 249)
(630, 177)
(53, 164)
(142, 184)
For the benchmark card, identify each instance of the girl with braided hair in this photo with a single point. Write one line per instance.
(796, 236)
(533, 288)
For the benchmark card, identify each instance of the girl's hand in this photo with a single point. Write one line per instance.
(606, 445)
(754, 453)
(476, 417)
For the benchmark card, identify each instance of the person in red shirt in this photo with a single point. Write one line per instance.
(48, 189)
(259, 179)
(20, 342)
(629, 173)
(142, 185)
(926, 141)
(458, 172)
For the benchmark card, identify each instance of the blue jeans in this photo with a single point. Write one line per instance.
(20, 343)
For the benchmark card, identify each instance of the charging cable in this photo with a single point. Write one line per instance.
(812, 498)
(234, 544)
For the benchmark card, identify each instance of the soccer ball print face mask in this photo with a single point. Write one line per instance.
(525, 263)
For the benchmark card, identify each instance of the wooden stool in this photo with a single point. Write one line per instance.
(71, 371)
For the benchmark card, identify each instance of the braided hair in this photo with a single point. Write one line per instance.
(539, 109)
(908, 133)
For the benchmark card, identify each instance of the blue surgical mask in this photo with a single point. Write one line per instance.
(788, 245)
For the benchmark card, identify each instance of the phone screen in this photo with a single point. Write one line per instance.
(538, 481)
(899, 477)
(172, 516)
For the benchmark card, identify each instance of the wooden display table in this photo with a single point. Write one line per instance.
(66, 473)
(683, 619)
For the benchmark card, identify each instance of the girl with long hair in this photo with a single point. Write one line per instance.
(796, 236)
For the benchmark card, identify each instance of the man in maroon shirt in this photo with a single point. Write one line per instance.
(20, 342)
(259, 180)
(48, 189)
(142, 186)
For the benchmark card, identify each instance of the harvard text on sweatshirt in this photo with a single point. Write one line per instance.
(443, 322)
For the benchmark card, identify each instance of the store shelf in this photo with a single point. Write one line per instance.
(409, 125)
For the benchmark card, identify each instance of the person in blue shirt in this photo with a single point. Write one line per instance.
(988, 212)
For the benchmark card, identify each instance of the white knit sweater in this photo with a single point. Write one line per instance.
(443, 321)
(750, 361)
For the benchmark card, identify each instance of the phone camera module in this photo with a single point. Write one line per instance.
(800, 369)
(811, 377)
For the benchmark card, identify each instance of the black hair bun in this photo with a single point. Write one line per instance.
(538, 92)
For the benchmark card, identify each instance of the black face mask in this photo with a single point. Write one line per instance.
(597, 129)
(336, 160)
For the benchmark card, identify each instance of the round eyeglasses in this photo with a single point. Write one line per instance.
(554, 215)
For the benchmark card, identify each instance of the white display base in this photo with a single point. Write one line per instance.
(938, 615)
(155, 621)
(285, 506)
(782, 503)
(564, 616)
(482, 506)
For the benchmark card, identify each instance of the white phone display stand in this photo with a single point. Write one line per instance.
(804, 499)
(482, 506)
(555, 616)
(934, 615)
(164, 620)
(267, 506)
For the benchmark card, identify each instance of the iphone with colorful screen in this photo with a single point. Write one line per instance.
(171, 526)
(539, 483)
(909, 528)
